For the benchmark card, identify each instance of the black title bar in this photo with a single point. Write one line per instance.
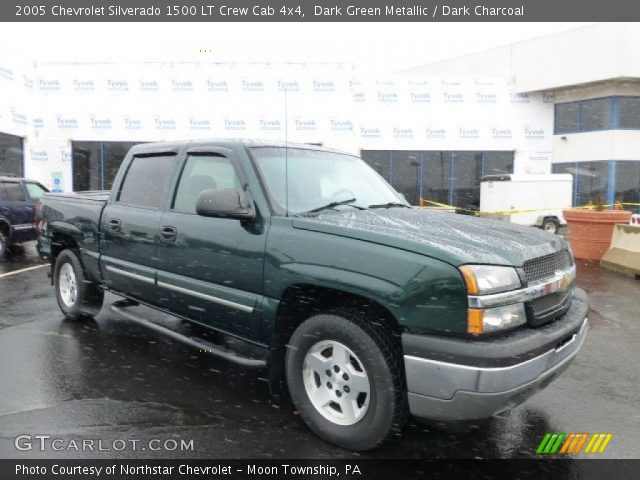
(318, 11)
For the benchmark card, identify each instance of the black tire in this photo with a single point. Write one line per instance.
(88, 297)
(380, 353)
(4, 246)
(550, 225)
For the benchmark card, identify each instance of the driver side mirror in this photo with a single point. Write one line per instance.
(225, 203)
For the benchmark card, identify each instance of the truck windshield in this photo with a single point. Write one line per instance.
(315, 179)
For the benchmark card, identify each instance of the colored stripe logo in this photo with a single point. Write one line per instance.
(574, 443)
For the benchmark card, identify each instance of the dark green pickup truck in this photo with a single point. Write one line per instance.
(370, 309)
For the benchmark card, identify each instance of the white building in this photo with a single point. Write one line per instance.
(593, 75)
(432, 131)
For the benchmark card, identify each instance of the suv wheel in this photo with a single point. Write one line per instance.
(345, 378)
(77, 297)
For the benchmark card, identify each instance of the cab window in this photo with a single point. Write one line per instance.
(144, 184)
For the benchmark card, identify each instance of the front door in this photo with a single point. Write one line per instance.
(210, 269)
(130, 227)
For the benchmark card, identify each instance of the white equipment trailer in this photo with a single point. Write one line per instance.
(534, 200)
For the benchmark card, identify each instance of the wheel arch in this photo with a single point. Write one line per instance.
(303, 300)
(5, 227)
(62, 241)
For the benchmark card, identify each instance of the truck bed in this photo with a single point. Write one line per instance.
(76, 215)
(94, 195)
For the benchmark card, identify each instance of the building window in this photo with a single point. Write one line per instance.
(95, 164)
(451, 177)
(436, 177)
(11, 155)
(595, 114)
(567, 117)
(610, 113)
(629, 112)
(496, 163)
(406, 174)
(612, 180)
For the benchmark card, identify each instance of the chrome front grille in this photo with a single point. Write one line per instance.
(549, 307)
(546, 267)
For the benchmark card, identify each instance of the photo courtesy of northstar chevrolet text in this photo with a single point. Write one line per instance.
(294, 240)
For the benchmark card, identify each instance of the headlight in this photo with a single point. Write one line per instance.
(495, 319)
(484, 279)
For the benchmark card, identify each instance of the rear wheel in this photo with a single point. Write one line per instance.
(77, 296)
(345, 378)
(550, 225)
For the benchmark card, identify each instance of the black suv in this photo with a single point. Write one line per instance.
(18, 197)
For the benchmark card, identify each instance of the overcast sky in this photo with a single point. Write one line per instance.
(380, 47)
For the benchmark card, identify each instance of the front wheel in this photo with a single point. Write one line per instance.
(77, 296)
(345, 378)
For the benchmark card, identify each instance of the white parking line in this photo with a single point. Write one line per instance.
(15, 272)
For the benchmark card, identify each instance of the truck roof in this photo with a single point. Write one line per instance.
(5, 177)
(228, 143)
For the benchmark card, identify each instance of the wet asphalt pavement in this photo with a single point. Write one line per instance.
(112, 379)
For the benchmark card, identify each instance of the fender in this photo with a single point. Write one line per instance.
(421, 292)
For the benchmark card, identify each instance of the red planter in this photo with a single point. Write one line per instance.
(590, 231)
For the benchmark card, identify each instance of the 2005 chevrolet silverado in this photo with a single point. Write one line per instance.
(371, 310)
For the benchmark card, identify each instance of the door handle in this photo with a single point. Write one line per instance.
(169, 234)
(115, 224)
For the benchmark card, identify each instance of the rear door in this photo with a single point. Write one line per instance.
(129, 225)
(210, 269)
(17, 209)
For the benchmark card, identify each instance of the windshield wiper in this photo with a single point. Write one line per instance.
(390, 205)
(335, 204)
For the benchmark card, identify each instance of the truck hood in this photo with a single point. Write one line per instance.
(456, 239)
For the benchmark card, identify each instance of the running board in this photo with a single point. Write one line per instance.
(194, 342)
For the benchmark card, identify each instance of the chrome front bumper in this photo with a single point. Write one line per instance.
(450, 391)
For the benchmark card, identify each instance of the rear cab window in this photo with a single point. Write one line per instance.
(145, 181)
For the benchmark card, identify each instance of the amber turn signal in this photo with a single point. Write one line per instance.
(469, 279)
(475, 323)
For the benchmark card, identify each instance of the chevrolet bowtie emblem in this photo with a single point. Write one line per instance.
(565, 281)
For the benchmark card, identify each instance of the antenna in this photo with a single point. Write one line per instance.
(286, 152)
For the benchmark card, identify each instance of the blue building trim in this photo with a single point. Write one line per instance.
(576, 180)
(452, 178)
(73, 170)
(611, 183)
(421, 173)
(102, 165)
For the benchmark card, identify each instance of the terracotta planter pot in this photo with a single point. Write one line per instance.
(590, 231)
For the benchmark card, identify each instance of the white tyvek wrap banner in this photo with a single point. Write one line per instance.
(329, 104)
